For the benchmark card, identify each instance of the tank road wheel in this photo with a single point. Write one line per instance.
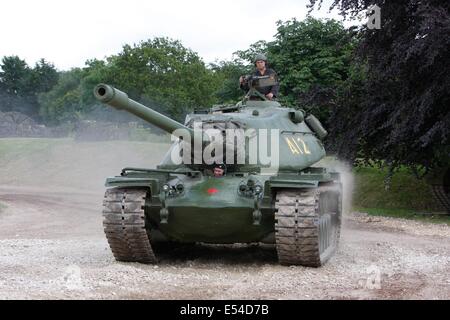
(307, 225)
(124, 225)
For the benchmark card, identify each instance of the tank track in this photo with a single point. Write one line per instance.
(441, 196)
(124, 225)
(304, 235)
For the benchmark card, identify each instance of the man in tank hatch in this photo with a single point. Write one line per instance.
(261, 70)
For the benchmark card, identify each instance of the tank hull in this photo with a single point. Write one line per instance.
(211, 210)
(220, 225)
(214, 210)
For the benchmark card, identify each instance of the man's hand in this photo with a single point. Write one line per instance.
(269, 95)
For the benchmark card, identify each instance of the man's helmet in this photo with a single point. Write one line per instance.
(260, 56)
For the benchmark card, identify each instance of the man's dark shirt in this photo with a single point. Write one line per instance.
(264, 90)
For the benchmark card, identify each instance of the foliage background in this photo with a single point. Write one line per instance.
(382, 94)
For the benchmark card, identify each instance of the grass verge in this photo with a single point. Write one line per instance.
(407, 197)
(406, 214)
(405, 192)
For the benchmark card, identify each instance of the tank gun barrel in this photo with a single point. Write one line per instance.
(119, 100)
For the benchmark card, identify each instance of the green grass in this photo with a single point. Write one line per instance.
(10, 147)
(406, 214)
(67, 162)
(406, 192)
(14, 148)
(407, 197)
(145, 134)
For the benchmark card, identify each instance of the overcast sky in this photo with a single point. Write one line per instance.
(69, 32)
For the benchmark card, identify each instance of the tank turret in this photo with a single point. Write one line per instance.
(250, 135)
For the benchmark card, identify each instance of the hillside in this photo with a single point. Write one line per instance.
(65, 163)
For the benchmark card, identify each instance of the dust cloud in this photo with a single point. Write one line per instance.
(65, 164)
(347, 183)
(53, 188)
(347, 179)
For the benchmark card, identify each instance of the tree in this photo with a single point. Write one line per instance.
(10, 102)
(164, 72)
(312, 58)
(228, 73)
(63, 102)
(15, 76)
(43, 76)
(20, 85)
(247, 56)
(159, 72)
(403, 117)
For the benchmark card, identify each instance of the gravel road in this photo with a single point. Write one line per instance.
(52, 246)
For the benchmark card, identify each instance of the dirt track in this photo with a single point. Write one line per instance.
(52, 246)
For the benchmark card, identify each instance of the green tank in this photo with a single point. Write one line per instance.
(235, 174)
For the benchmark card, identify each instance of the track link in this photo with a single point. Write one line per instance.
(124, 225)
(307, 226)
